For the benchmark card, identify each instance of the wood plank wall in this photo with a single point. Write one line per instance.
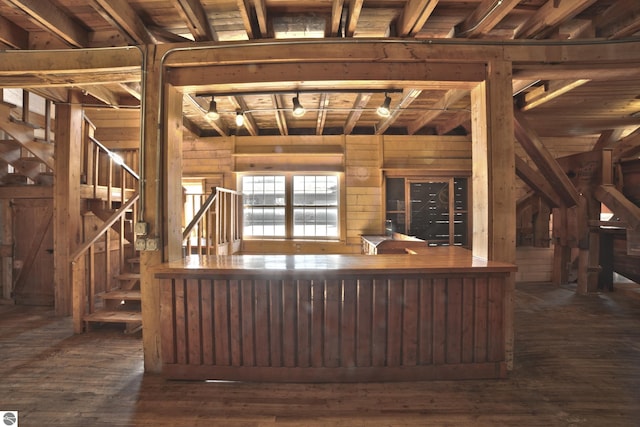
(327, 329)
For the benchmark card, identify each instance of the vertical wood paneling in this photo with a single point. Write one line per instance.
(379, 327)
(439, 321)
(468, 319)
(235, 323)
(222, 322)
(304, 323)
(331, 330)
(480, 327)
(290, 344)
(317, 323)
(425, 325)
(394, 322)
(181, 333)
(192, 306)
(495, 339)
(336, 323)
(364, 325)
(208, 347)
(247, 322)
(454, 320)
(410, 322)
(348, 328)
(275, 325)
(167, 300)
(262, 297)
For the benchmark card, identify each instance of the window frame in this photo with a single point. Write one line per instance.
(289, 207)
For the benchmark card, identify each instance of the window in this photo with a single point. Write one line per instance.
(291, 206)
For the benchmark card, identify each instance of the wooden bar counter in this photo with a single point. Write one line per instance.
(334, 318)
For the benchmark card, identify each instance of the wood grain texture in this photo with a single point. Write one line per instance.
(359, 326)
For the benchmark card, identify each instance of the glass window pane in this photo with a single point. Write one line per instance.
(264, 201)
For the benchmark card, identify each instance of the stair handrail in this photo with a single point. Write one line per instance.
(115, 157)
(105, 226)
(201, 213)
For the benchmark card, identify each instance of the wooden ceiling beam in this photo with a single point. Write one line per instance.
(337, 8)
(356, 111)
(414, 15)
(545, 162)
(261, 17)
(74, 61)
(250, 25)
(450, 97)
(193, 13)
(537, 182)
(322, 113)
(54, 20)
(281, 118)
(485, 17)
(101, 93)
(412, 74)
(550, 90)
(125, 19)
(551, 14)
(353, 15)
(12, 35)
(620, 71)
(620, 20)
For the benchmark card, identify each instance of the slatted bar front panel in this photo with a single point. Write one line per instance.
(354, 329)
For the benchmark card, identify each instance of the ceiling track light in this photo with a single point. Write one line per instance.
(298, 109)
(384, 109)
(239, 118)
(212, 113)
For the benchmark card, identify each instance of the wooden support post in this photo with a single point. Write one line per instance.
(493, 179)
(151, 208)
(162, 196)
(6, 250)
(66, 189)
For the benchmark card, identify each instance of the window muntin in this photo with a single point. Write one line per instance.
(264, 205)
(315, 206)
(296, 206)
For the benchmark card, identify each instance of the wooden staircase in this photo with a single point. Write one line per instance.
(31, 159)
(120, 305)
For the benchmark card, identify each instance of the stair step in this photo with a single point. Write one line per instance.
(122, 295)
(128, 276)
(114, 316)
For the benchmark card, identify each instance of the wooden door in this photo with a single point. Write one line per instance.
(33, 255)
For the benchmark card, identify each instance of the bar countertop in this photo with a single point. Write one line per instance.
(432, 260)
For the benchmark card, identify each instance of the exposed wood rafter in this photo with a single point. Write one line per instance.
(545, 161)
(356, 111)
(487, 15)
(12, 35)
(549, 15)
(450, 97)
(53, 19)
(194, 15)
(408, 96)
(355, 8)
(122, 16)
(414, 16)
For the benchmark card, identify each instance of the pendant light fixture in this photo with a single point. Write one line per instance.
(212, 113)
(384, 109)
(298, 109)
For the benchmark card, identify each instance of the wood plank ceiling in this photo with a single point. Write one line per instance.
(562, 106)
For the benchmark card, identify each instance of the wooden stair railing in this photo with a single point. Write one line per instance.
(216, 228)
(83, 269)
(102, 285)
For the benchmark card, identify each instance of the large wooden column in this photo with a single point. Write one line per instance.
(161, 191)
(67, 227)
(493, 178)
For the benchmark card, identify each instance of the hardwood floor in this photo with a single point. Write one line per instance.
(577, 363)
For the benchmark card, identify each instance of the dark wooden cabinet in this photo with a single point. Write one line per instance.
(432, 209)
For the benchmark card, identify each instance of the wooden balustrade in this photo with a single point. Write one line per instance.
(216, 227)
